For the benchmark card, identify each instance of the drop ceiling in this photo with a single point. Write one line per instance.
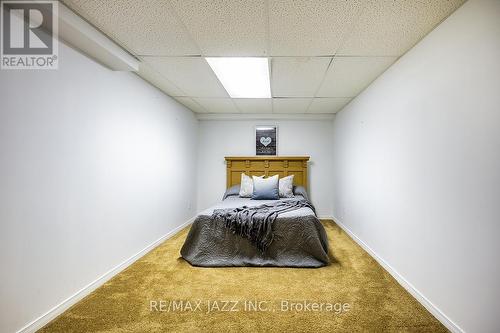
(322, 53)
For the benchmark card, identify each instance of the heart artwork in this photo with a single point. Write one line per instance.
(265, 141)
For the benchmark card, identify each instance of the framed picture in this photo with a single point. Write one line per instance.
(266, 140)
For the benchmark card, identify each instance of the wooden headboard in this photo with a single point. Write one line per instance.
(268, 166)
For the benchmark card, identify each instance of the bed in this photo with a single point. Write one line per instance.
(299, 238)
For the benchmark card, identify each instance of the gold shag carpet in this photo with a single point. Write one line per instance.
(163, 293)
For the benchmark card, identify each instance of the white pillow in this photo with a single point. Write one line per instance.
(246, 186)
(286, 187)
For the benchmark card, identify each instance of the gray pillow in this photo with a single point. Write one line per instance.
(233, 190)
(300, 190)
(266, 188)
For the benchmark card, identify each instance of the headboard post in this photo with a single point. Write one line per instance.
(266, 165)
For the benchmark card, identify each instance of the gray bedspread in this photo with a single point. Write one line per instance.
(298, 240)
(256, 223)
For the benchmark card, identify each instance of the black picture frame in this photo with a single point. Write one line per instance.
(266, 140)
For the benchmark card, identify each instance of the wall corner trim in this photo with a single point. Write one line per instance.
(434, 310)
(47, 317)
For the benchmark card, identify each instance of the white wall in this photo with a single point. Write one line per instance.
(417, 166)
(218, 139)
(95, 165)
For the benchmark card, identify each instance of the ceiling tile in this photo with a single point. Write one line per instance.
(192, 75)
(156, 79)
(298, 76)
(146, 27)
(254, 105)
(225, 27)
(291, 105)
(191, 104)
(217, 105)
(328, 105)
(309, 28)
(348, 76)
(391, 27)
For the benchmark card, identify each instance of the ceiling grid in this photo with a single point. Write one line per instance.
(321, 53)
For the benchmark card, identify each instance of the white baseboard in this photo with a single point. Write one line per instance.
(73, 299)
(447, 322)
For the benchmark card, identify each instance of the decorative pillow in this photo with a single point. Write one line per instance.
(246, 186)
(286, 187)
(266, 188)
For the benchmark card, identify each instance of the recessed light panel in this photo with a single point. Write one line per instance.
(246, 77)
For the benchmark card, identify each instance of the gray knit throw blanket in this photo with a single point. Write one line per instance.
(256, 223)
